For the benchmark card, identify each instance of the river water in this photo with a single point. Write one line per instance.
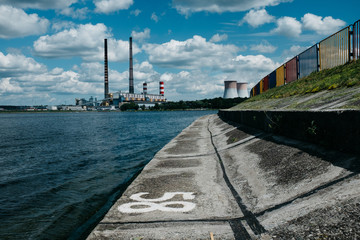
(61, 172)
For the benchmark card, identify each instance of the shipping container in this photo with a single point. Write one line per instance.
(308, 61)
(261, 86)
(280, 76)
(356, 40)
(272, 79)
(335, 50)
(266, 83)
(291, 71)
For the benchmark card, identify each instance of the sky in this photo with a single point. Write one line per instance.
(52, 52)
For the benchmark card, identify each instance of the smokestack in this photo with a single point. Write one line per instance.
(145, 88)
(106, 80)
(161, 83)
(230, 89)
(131, 76)
(242, 89)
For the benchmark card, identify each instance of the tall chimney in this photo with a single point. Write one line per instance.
(106, 80)
(145, 88)
(161, 88)
(131, 76)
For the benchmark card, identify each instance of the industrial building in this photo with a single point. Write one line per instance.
(116, 99)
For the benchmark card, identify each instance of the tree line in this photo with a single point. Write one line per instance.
(214, 103)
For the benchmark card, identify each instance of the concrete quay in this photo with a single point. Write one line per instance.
(219, 180)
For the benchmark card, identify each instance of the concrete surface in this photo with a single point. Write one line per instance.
(236, 183)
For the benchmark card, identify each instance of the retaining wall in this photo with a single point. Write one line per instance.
(338, 130)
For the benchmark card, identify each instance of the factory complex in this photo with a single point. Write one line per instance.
(113, 101)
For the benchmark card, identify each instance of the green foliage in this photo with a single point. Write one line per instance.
(215, 103)
(129, 106)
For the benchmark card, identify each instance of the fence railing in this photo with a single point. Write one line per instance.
(337, 49)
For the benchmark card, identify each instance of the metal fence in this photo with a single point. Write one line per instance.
(335, 50)
(266, 83)
(308, 61)
(280, 76)
(272, 79)
(291, 70)
(356, 40)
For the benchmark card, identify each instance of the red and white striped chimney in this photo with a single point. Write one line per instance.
(145, 88)
(161, 83)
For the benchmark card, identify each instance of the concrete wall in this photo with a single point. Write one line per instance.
(338, 130)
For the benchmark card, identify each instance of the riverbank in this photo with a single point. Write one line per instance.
(232, 182)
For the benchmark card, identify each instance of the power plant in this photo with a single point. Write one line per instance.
(116, 99)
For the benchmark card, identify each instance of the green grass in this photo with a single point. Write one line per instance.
(343, 76)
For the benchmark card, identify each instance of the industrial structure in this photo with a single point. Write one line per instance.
(230, 89)
(116, 99)
(242, 89)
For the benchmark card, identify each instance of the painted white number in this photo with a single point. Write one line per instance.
(144, 205)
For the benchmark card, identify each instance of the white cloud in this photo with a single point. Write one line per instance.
(251, 68)
(108, 6)
(322, 26)
(80, 13)
(141, 36)
(256, 18)
(288, 26)
(135, 12)
(61, 25)
(85, 41)
(293, 51)
(219, 38)
(264, 47)
(15, 23)
(18, 64)
(39, 4)
(154, 17)
(192, 53)
(7, 87)
(186, 7)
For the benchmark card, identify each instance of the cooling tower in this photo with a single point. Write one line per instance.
(161, 83)
(106, 80)
(242, 90)
(131, 76)
(230, 89)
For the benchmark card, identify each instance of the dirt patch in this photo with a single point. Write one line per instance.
(340, 221)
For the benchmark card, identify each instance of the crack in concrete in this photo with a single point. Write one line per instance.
(238, 229)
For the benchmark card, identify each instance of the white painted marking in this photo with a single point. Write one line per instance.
(165, 197)
(143, 205)
(150, 206)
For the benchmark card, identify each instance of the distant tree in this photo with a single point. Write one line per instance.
(129, 106)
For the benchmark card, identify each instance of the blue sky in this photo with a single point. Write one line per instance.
(51, 52)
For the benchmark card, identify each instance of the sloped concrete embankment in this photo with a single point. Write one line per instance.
(332, 128)
(233, 182)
